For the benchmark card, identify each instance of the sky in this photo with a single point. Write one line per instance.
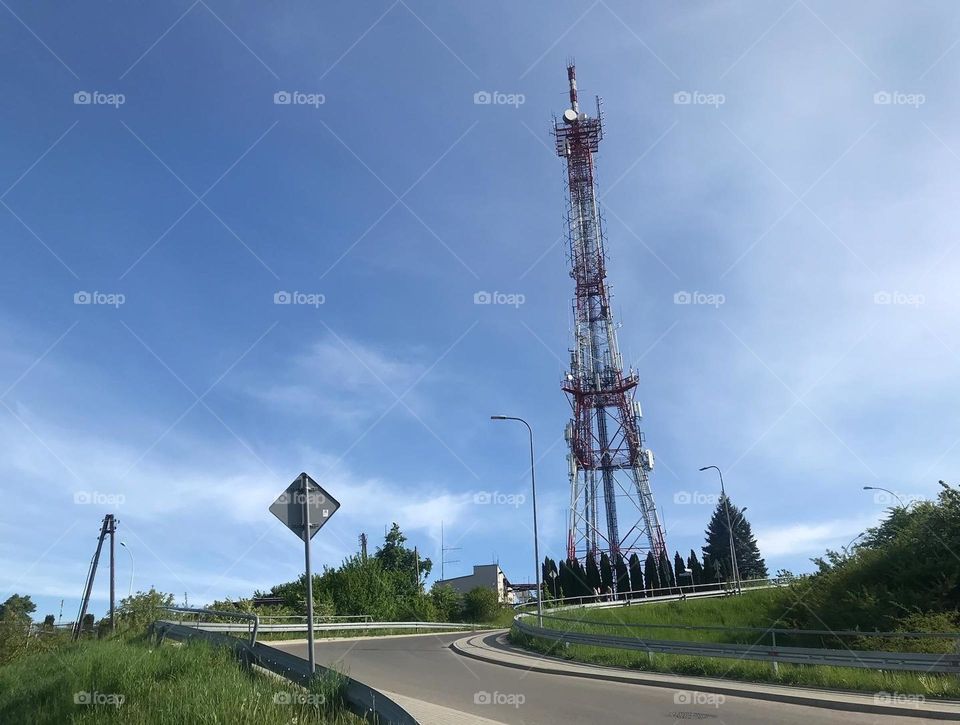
(245, 240)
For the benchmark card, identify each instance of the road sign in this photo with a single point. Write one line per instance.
(289, 507)
(304, 508)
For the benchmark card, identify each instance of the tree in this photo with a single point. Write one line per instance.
(651, 575)
(363, 586)
(679, 570)
(695, 568)
(49, 621)
(623, 576)
(563, 580)
(481, 605)
(593, 573)
(717, 546)
(549, 574)
(606, 574)
(447, 602)
(401, 562)
(636, 574)
(667, 579)
(141, 609)
(17, 608)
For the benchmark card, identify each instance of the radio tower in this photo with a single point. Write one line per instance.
(607, 452)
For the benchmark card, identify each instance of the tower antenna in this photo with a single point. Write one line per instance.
(607, 455)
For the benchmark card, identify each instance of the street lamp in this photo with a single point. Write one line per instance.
(847, 547)
(726, 507)
(887, 490)
(533, 486)
(124, 545)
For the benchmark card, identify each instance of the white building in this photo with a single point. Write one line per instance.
(489, 576)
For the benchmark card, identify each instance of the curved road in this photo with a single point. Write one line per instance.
(424, 668)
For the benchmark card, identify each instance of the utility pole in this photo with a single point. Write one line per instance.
(107, 527)
(363, 547)
(113, 608)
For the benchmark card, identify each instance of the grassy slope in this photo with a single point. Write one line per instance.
(166, 684)
(755, 609)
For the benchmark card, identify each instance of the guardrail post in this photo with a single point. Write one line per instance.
(776, 665)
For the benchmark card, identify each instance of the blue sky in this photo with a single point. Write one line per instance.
(814, 218)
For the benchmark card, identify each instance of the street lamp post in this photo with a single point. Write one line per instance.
(735, 571)
(536, 544)
(887, 490)
(846, 548)
(132, 564)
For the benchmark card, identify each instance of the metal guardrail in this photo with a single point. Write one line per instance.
(248, 616)
(361, 699)
(867, 659)
(329, 627)
(765, 630)
(681, 591)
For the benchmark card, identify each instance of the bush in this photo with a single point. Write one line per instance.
(481, 605)
(447, 601)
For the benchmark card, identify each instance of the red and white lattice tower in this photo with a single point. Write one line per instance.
(611, 504)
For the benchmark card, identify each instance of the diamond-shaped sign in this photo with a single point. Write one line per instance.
(289, 506)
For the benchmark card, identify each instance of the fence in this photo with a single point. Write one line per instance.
(758, 651)
(359, 698)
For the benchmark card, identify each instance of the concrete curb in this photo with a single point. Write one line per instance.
(493, 648)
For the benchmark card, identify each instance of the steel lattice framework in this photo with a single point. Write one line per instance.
(607, 453)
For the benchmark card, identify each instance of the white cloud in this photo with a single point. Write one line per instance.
(810, 538)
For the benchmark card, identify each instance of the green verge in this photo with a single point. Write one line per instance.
(755, 609)
(137, 682)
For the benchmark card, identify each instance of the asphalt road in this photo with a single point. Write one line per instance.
(424, 668)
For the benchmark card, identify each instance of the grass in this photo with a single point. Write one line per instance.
(755, 609)
(135, 681)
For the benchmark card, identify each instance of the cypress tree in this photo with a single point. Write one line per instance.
(623, 576)
(679, 570)
(694, 565)
(666, 574)
(636, 575)
(593, 574)
(606, 574)
(651, 575)
(563, 579)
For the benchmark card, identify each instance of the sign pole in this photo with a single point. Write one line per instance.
(306, 556)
